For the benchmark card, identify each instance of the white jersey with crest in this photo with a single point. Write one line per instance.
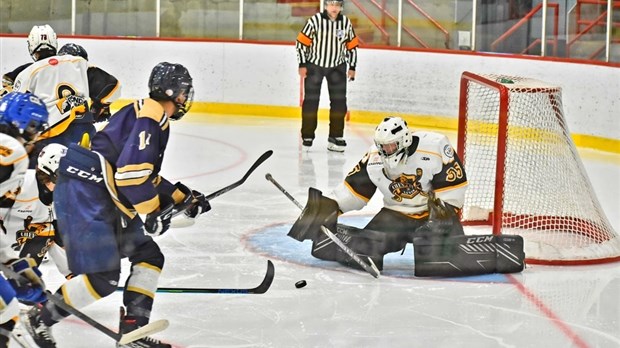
(54, 79)
(13, 156)
(27, 204)
(432, 166)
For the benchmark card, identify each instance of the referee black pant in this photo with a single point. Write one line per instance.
(337, 86)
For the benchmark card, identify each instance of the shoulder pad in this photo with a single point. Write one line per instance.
(149, 108)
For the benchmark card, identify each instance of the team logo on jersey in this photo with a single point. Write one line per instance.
(448, 151)
(406, 186)
(5, 151)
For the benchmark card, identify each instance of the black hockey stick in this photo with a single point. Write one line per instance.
(260, 289)
(259, 161)
(147, 330)
(369, 267)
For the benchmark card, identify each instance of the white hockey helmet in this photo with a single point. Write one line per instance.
(49, 159)
(42, 37)
(392, 138)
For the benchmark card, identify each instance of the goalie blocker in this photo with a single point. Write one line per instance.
(468, 255)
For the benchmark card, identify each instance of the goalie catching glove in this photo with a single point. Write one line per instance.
(442, 220)
(29, 289)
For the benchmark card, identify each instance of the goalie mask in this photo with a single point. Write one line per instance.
(172, 82)
(42, 38)
(392, 138)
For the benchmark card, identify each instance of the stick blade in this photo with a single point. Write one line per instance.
(264, 286)
(147, 330)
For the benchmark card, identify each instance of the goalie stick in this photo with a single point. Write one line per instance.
(180, 210)
(369, 267)
(260, 289)
(146, 330)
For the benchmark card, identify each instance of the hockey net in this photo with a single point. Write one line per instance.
(525, 175)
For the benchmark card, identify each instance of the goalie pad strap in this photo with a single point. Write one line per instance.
(468, 255)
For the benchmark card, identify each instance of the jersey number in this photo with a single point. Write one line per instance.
(145, 140)
(454, 173)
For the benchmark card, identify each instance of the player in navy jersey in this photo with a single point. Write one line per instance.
(108, 196)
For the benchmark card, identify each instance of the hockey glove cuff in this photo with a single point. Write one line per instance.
(158, 222)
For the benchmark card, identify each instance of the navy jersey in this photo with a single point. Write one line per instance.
(133, 143)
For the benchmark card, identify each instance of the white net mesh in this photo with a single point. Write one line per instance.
(544, 192)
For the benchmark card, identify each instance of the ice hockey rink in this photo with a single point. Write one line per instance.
(545, 306)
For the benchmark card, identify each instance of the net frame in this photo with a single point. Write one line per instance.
(511, 130)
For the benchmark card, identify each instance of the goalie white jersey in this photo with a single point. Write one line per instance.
(54, 80)
(431, 164)
(13, 158)
(27, 206)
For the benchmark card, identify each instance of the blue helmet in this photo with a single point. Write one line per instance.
(23, 111)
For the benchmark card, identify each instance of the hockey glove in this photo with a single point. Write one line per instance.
(200, 205)
(31, 288)
(158, 222)
(443, 220)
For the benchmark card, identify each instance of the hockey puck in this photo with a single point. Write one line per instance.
(300, 284)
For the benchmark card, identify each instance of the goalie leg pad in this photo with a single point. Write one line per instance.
(319, 210)
(366, 243)
(467, 255)
(510, 254)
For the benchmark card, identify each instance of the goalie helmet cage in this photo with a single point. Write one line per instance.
(525, 175)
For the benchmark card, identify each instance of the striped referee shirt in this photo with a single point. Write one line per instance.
(327, 43)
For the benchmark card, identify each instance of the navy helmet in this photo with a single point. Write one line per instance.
(73, 50)
(170, 81)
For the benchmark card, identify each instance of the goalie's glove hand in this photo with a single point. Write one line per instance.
(158, 222)
(30, 288)
(442, 220)
(200, 205)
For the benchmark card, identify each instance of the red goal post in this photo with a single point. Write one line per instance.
(525, 174)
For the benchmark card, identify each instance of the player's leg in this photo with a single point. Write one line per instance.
(147, 261)
(310, 105)
(337, 87)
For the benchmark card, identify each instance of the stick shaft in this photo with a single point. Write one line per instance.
(288, 195)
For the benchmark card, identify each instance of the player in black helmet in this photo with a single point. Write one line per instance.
(107, 197)
(103, 88)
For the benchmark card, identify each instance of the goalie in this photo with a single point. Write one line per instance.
(423, 183)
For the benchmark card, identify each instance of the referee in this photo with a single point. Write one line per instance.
(325, 46)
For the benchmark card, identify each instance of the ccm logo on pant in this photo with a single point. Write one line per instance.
(84, 174)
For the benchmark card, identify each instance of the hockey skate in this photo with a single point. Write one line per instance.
(40, 333)
(336, 144)
(127, 325)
